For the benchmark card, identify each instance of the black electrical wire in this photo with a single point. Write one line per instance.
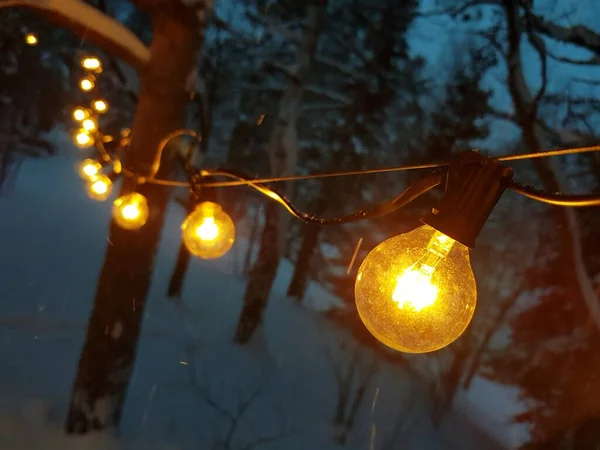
(408, 195)
(583, 200)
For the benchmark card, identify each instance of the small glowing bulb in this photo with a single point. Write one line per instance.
(416, 292)
(89, 168)
(99, 187)
(91, 63)
(83, 139)
(89, 124)
(80, 114)
(130, 211)
(100, 106)
(31, 39)
(86, 84)
(208, 232)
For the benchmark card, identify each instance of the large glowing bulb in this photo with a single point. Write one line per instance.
(208, 232)
(91, 63)
(31, 39)
(416, 292)
(100, 105)
(80, 114)
(83, 139)
(99, 187)
(86, 84)
(130, 211)
(89, 168)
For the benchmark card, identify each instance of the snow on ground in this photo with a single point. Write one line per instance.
(190, 383)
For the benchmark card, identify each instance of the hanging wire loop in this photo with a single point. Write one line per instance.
(577, 201)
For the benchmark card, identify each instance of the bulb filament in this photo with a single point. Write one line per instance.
(414, 289)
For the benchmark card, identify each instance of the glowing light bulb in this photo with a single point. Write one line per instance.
(130, 211)
(416, 292)
(89, 168)
(86, 84)
(91, 63)
(83, 139)
(208, 232)
(89, 124)
(31, 39)
(99, 187)
(100, 106)
(80, 114)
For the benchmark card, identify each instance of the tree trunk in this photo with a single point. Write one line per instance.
(251, 242)
(261, 277)
(178, 275)
(282, 160)
(301, 275)
(108, 355)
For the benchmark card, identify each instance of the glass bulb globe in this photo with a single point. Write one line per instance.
(100, 106)
(86, 84)
(88, 168)
(83, 139)
(80, 114)
(31, 39)
(208, 232)
(89, 124)
(130, 211)
(91, 63)
(416, 292)
(99, 187)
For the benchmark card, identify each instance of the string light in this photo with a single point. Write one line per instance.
(416, 292)
(89, 124)
(91, 63)
(89, 168)
(100, 106)
(99, 187)
(83, 139)
(31, 39)
(87, 83)
(79, 114)
(208, 232)
(130, 211)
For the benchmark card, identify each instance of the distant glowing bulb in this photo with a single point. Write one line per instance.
(130, 211)
(89, 168)
(416, 292)
(89, 124)
(83, 139)
(100, 106)
(31, 39)
(99, 187)
(86, 84)
(208, 232)
(91, 63)
(80, 114)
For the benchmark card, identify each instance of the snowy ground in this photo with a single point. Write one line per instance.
(190, 384)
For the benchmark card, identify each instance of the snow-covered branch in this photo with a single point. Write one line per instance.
(97, 27)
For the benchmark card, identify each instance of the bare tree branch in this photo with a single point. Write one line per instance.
(579, 35)
(90, 22)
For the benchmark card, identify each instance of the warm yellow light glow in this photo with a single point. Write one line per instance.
(91, 63)
(83, 139)
(416, 292)
(80, 114)
(208, 232)
(89, 168)
(31, 39)
(130, 211)
(99, 187)
(86, 84)
(89, 124)
(100, 106)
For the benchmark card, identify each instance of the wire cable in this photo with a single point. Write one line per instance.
(411, 193)
(557, 199)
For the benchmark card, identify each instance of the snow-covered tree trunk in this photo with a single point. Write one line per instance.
(533, 134)
(282, 157)
(108, 355)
